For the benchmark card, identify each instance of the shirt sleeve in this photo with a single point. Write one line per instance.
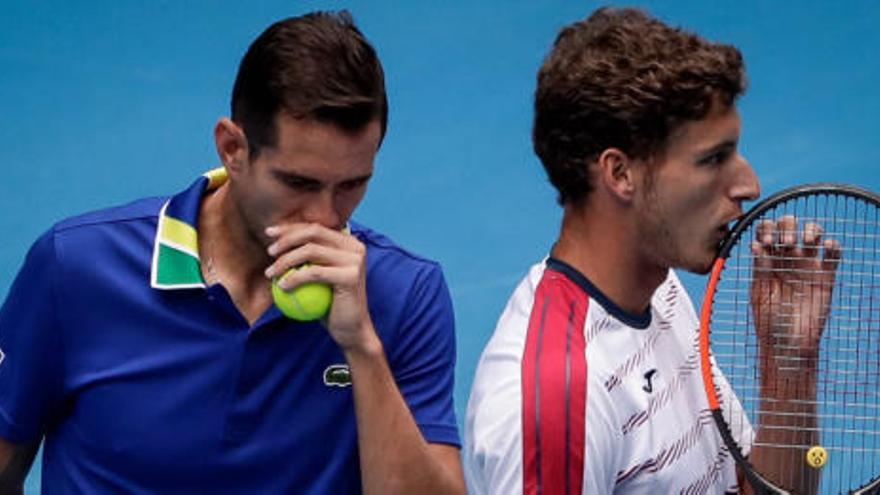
(493, 426)
(423, 361)
(30, 350)
(493, 453)
(604, 441)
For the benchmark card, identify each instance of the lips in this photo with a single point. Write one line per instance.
(728, 225)
(721, 235)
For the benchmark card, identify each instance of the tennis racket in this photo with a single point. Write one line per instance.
(790, 342)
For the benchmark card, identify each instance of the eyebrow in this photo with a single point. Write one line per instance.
(292, 177)
(362, 178)
(726, 145)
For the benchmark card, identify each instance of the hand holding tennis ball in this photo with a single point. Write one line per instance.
(332, 257)
(306, 302)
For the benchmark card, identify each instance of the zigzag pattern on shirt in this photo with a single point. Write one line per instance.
(671, 296)
(669, 311)
(633, 362)
(672, 453)
(710, 478)
(636, 359)
(596, 328)
(660, 400)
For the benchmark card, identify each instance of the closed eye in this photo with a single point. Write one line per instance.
(351, 185)
(717, 155)
(713, 159)
(298, 182)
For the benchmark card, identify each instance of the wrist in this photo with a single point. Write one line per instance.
(781, 388)
(367, 346)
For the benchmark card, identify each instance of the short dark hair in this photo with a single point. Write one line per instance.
(623, 79)
(317, 66)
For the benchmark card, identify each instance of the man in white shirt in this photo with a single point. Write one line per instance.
(591, 382)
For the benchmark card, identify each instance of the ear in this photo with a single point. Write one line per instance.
(617, 174)
(232, 145)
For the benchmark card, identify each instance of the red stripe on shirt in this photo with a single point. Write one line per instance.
(554, 371)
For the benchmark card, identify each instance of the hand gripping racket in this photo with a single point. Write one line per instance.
(790, 342)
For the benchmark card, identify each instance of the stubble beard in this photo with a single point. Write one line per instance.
(660, 244)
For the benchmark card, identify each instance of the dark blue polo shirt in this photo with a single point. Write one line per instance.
(144, 380)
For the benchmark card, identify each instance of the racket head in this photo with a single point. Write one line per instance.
(847, 366)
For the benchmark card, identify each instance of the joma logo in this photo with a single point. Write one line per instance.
(649, 385)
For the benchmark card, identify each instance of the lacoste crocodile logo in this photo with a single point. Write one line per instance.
(337, 375)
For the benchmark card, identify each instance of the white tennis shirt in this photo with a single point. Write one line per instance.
(575, 395)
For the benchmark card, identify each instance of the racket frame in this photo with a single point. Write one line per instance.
(759, 484)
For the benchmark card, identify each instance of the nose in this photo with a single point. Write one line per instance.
(321, 209)
(745, 185)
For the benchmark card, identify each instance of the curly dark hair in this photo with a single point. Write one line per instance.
(316, 66)
(623, 79)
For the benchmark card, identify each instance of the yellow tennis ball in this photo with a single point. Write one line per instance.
(306, 302)
(817, 456)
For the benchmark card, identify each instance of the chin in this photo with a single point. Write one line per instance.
(701, 270)
(701, 265)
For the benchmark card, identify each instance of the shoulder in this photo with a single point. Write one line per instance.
(496, 388)
(100, 235)
(391, 266)
(532, 377)
(407, 294)
(146, 209)
(541, 327)
(382, 249)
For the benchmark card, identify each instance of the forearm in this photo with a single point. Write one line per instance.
(394, 456)
(788, 428)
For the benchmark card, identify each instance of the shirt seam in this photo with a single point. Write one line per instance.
(58, 323)
(367, 237)
(59, 229)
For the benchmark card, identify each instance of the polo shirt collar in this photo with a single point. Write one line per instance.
(176, 263)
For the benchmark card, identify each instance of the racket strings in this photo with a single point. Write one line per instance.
(843, 414)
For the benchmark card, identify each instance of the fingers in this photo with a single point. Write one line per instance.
(779, 244)
(763, 247)
(767, 239)
(831, 257)
(787, 230)
(290, 236)
(313, 254)
(328, 252)
(335, 276)
(811, 236)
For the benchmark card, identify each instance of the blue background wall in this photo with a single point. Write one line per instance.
(104, 101)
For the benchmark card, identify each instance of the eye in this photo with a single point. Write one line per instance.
(715, 158)
(301, 184)
(352, 185)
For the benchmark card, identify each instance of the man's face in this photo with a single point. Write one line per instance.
(317, 173)
(693, 192)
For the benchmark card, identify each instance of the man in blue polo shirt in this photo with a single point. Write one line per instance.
(142, 344)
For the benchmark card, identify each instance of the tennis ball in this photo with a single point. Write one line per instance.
(306, 302)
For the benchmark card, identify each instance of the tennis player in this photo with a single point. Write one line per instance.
(591, 381)
(142, 344)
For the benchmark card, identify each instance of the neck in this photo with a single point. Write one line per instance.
(236, 256)
(605, 248)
